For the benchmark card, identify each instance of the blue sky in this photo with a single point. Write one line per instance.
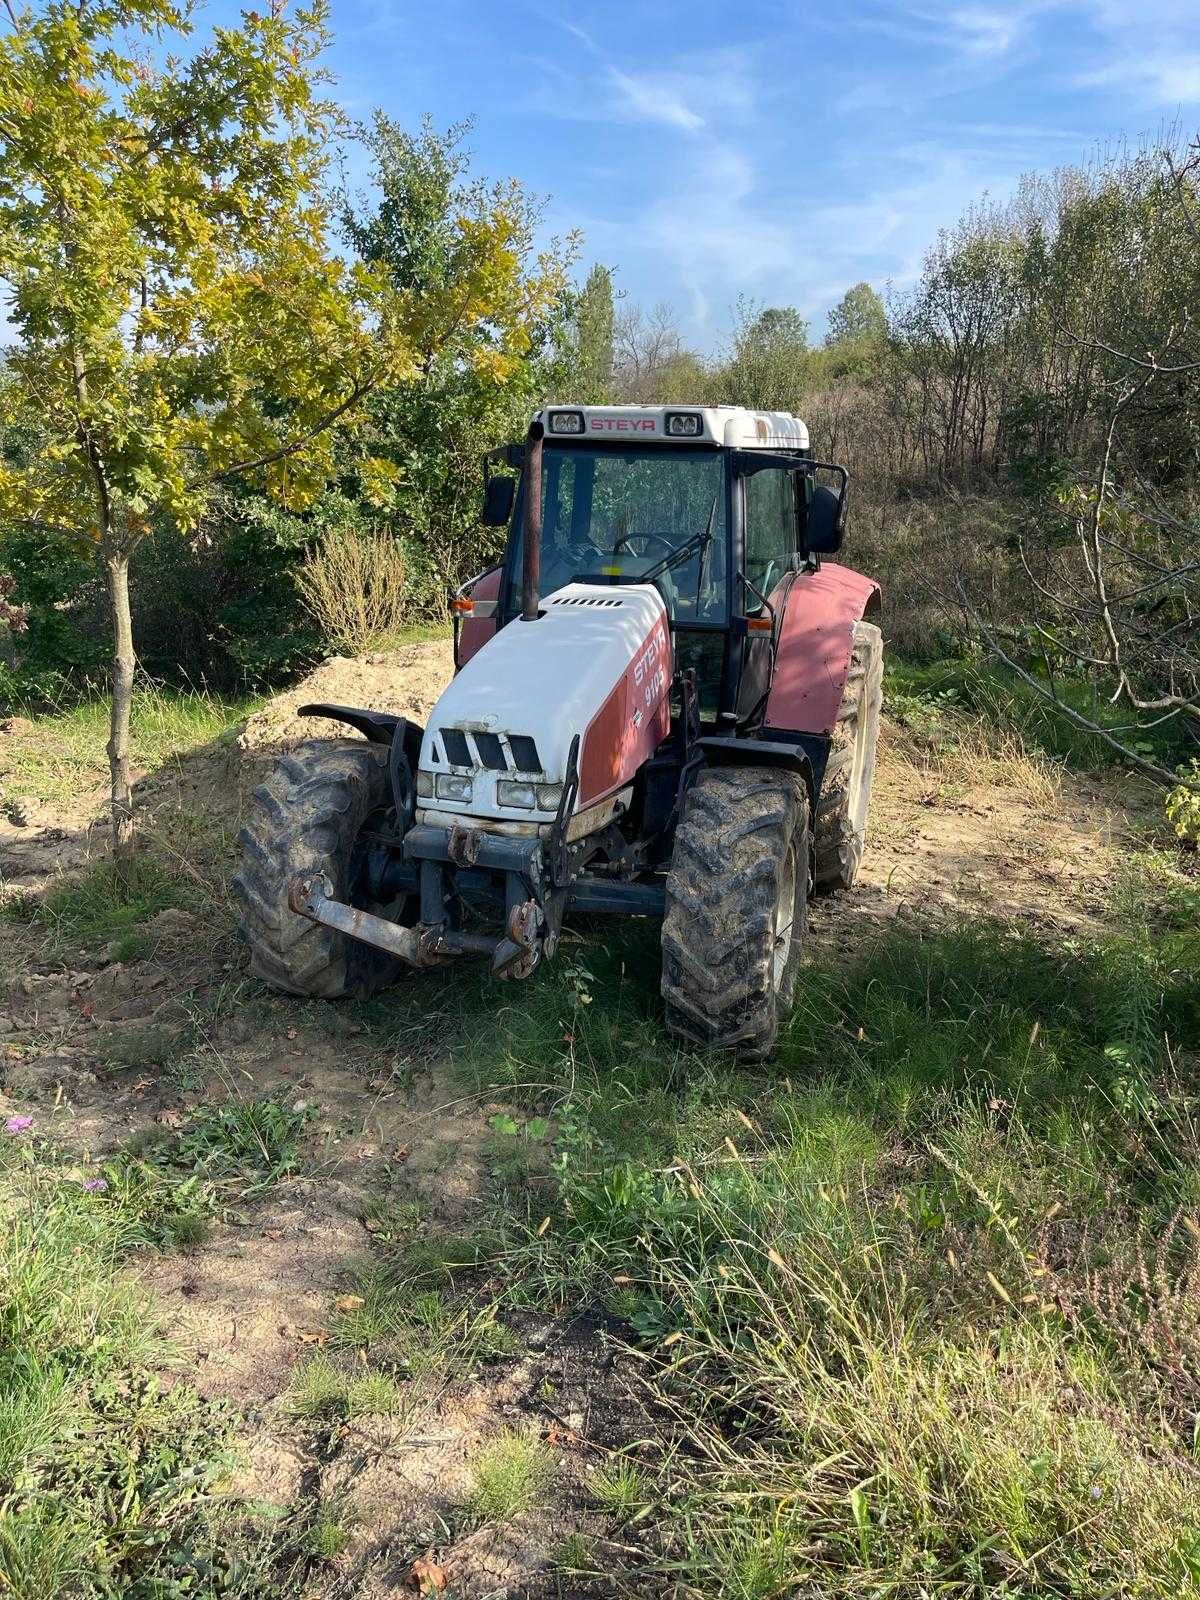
(778, 151)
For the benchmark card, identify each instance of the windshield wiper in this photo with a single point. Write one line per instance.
(682, 552)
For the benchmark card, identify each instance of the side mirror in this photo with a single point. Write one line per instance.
(498, 499)
(825, 525)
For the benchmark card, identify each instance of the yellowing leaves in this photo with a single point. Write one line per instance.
(164, 233)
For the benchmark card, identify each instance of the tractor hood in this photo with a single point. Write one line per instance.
(596, 662)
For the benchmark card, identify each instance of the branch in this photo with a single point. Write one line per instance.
(1147, 363)
(359, 392)
(1162, 775)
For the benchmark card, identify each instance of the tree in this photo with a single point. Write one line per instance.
(770, 364)
(182, 319)
(591, 352)
(858, 318)
(434, 433)
(650, 356)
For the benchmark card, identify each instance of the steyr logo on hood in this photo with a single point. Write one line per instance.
(622, 425)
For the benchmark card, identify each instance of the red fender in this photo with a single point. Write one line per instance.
(474, 632)
(816, 638)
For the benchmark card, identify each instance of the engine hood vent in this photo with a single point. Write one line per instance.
(495, 752)
(584, 600)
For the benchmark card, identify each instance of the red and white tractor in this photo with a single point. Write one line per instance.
(666, 704)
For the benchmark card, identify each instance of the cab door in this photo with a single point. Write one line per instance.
(770, 541)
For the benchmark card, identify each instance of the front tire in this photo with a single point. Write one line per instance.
(736, 909)
(308, 817)
(840, 828)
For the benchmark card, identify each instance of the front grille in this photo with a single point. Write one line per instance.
(455, 744)
(512, 752)
(524, 753)
(491, 752)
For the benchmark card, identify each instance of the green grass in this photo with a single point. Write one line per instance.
(619, 1487)
(323, 1389)
(921, 1295)
(932, 698)
(103, 905)
(64, 754)
(418, 1331)
(110, 1483)
(170, 1185)
(511, 1474)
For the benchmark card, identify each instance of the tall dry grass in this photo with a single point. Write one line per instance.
(355, 586)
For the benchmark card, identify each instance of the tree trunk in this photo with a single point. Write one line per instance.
(117, 569)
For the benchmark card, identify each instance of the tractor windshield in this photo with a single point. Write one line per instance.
(656, 513)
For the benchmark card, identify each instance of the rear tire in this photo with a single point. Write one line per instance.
(306, 818)
(736, 904)
(840, 828)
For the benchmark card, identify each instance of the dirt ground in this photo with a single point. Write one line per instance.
(98, 1051)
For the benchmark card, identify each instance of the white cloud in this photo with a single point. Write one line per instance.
(987, 31)
(1150, 51)
(647, 99)
(684, 94)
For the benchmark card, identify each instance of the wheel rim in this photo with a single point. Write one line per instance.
(785, 917)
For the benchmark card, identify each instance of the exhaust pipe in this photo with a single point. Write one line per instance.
(531, 552)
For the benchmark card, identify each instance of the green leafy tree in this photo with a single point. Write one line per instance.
(181, 318)
(592, 348)
(858, 318)
(771, 364)
(433, 435)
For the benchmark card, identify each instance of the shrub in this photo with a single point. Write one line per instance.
(1183, 804)
(354, 585)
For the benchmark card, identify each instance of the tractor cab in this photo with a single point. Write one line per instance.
(717, 507)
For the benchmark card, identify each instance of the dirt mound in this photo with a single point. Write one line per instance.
(217, 779)
(406, 681)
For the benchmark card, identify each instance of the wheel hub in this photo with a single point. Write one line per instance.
(785, 917)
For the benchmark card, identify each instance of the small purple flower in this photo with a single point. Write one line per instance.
(18, 1124)
(95, 1185)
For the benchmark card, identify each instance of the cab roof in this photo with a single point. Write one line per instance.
(736, 427)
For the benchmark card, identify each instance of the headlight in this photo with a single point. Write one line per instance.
(529, 796)
(424, 785)
(566, 422)
(509, 793)
(684, 424)
(449, 786)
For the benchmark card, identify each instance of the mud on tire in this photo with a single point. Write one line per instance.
(736, 901)
(306, 818)
(839, 830)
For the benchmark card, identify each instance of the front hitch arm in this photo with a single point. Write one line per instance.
(312, 897)
(513, 956)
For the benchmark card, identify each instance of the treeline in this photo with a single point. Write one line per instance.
(1022, 425)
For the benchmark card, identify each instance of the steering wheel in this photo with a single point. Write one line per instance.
(643, 538)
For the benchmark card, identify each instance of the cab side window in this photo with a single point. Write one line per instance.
(771, 534)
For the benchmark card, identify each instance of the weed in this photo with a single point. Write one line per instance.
(511, 1473)
(374, 1394)
(355, 586)
(931, 700)
(255, 1142)
(317, 1389)
(619, 1488)
(325, 1537)
(106, 903)
(110, 1484)
(892, 1296)
(575, 1555)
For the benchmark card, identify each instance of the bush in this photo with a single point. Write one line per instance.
(354, 586)
(1183, 804)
